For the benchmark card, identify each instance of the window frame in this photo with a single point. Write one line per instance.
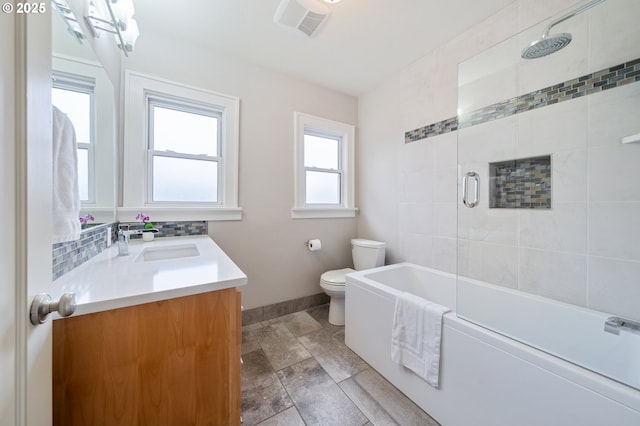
(163, 101)
(137, 179)
(306, 124)
(87, 85)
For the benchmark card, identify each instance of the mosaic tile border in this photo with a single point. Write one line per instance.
(69, 255)
(175, 229)
(608, 78)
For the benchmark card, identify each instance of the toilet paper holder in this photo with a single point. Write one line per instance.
(313, 244)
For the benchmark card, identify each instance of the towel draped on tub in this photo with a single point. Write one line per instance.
(416, 335)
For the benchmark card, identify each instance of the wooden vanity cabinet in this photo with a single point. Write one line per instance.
(173, 362)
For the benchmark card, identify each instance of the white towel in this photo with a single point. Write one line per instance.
(416, 335)
(66, 194)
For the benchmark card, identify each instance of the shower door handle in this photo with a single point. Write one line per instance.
(476, 189)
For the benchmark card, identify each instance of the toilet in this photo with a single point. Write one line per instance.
(366, 254)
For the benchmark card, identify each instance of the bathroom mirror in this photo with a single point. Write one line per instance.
(82, 89)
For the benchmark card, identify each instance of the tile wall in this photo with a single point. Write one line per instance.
(581, 250)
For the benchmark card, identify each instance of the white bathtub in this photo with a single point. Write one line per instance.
(485, 378)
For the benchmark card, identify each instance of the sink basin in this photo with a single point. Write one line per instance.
(151, 254)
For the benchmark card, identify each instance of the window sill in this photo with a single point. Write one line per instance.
(162, 213)
(322, 212)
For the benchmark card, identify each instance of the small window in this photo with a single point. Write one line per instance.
(323, 175)
(184, 152)
(324, 168)
(74, 95)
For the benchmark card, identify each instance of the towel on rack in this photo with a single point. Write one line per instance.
(416, 335)
(66, 193)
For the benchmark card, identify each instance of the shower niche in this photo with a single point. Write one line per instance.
(523, 183)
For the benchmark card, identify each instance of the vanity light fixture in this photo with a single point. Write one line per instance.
(115, 17)
(67, 14)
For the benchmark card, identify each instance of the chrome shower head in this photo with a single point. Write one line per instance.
(546, 46)
(549, 44)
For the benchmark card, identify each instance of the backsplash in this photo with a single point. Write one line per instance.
(174, 229)
(69, 255)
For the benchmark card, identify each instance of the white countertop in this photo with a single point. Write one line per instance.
(108, 281)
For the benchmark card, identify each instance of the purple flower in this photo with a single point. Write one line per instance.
(142, 217)
(87, 218)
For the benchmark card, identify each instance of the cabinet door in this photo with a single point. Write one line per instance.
(163, 363)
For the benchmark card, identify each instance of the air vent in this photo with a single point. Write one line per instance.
(301, 16)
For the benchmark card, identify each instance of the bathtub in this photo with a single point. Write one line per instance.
(486, 378)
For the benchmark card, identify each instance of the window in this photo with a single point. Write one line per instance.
(74, 95)
(183, 154)
(187, 141)
(324, 168)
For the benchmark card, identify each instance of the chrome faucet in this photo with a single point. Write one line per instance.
(123, 240)
(123, 237)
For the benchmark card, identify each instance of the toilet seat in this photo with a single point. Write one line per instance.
(335, 277)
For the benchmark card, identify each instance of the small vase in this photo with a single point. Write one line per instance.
(147, 236)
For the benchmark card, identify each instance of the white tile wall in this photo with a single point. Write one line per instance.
(593, 227)
(614, 286)
(493, 263)
(585, 249)
(614, 35)
(556, 275)
(552, 129)
(614, 230)
(563, 228)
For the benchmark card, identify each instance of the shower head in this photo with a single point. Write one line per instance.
(546, 46)
(549, 44)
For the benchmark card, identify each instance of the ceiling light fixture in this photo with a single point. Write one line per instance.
(115, 17)
(67, 14)
(332, 1)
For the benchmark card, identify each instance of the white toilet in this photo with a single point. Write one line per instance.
(366, 254)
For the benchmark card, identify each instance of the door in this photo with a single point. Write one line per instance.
(25, 214)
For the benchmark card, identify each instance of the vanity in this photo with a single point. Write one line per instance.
(155, 338)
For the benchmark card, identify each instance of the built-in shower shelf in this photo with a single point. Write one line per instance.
(521, 184)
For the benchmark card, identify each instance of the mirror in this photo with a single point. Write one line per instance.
(83, 90)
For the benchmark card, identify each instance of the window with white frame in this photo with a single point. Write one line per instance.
(184, 159)
(74, 95)
(181, 151)
(324, 178)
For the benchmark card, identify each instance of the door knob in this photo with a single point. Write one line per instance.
(42, 306)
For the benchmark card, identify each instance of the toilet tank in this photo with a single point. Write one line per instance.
(367, 254)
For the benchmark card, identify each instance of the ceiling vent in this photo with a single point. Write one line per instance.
(301, 16)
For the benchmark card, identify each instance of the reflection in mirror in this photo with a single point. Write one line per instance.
(82, 90)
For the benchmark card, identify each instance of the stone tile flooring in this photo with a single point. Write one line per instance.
(298, 371)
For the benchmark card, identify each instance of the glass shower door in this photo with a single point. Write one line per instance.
(549, 205)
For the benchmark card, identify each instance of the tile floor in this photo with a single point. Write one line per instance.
(298, 371)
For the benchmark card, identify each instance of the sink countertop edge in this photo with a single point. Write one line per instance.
(108, 281)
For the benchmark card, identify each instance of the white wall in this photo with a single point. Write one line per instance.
(266, 244)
